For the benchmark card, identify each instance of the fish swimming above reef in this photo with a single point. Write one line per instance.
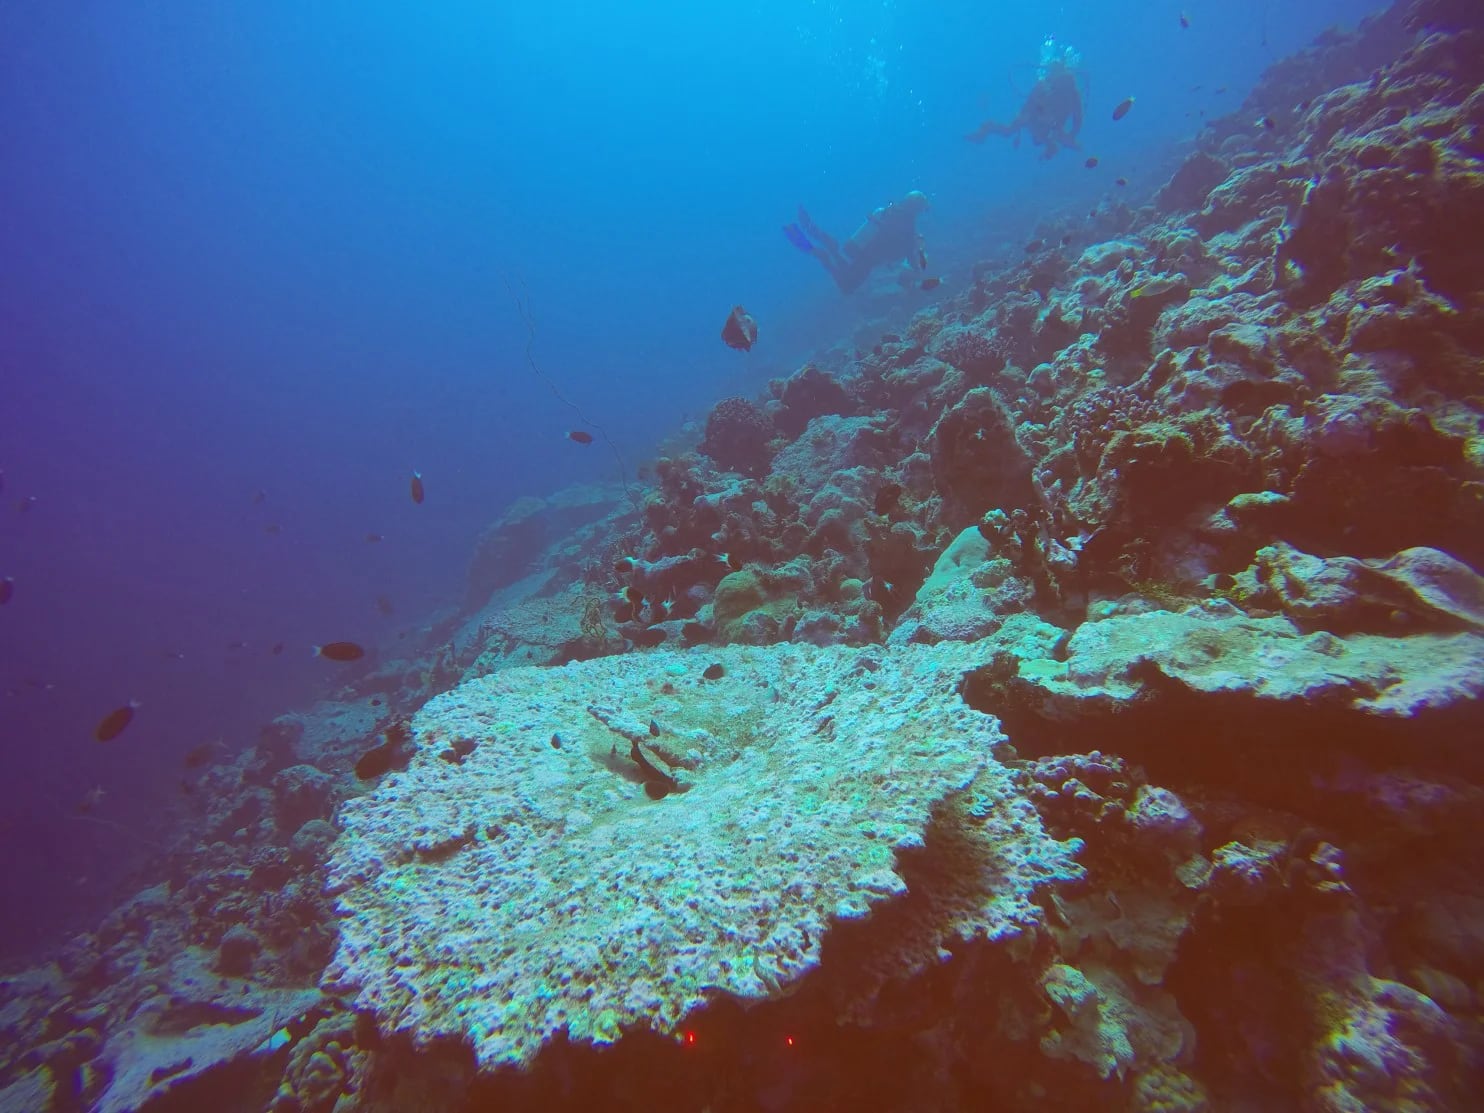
(339, 651)
(1092, 162)
(373, 538)
(930, 283)
(115, 722)
(657, 783)
(740, 331)
(201, 754)
(580, 436)
(1123, 107)
(416, 487)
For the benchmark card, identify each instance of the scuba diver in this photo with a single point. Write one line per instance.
(1052, 111)
(887, 236)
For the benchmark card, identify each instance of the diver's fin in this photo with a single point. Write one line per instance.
(796, 237)
(806, 222)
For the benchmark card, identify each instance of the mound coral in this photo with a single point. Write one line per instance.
(738, 436)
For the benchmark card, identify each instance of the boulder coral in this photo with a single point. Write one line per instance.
(738, 434)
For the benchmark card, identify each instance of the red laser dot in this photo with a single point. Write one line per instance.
(690, 1038)
(788, 1040)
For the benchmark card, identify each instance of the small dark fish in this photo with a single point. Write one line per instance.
(1120, 182)
(376, 702)
(1091, 162)
(887, 498)
(273, 528)
(556, 741)
(198, 756)
(416, 487)
(1123, 108)
(259, 497)
(1266, 123)
(1184, 21)
(654, 729)
(714, 672)
(384, 605)
(657, 783)
(373, 538)
(340, 651)
(1066, 239)
(930, 283)
(1220, 89)
(114, 723)
(277, 648)
(740, 330)
(580, 437)
(7, 590)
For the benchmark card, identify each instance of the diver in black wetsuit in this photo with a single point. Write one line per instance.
(889, 235)
(1052, 112)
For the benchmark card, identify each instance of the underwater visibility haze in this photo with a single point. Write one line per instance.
(669, 556)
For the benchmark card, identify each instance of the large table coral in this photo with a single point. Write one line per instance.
(609, 845)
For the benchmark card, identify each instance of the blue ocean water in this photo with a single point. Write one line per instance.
(259, 248)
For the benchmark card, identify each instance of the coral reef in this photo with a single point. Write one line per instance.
(1067, 699)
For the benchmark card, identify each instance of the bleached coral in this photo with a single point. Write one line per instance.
(536, 887)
